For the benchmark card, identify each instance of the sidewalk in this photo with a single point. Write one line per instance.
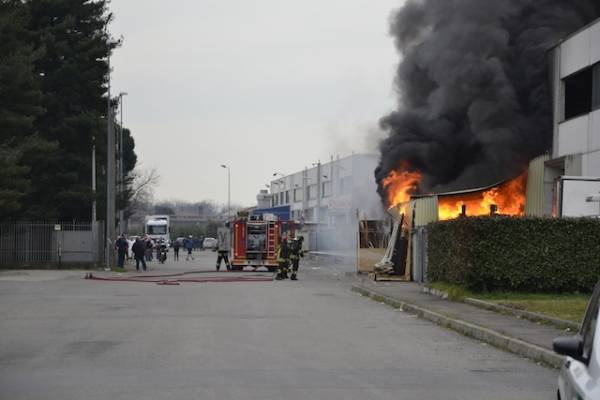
(516, 335)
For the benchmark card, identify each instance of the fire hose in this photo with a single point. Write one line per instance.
(176, 279)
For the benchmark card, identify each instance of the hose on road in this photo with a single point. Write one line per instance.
(176, 279)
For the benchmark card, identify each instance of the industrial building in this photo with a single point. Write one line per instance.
(575, 153)
(331, 192)
(328, 200)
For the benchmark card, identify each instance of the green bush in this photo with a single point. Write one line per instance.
(505, 253)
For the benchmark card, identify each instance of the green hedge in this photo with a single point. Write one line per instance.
(516, 254)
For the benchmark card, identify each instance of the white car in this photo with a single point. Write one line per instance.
(209, 243)
(580, 374)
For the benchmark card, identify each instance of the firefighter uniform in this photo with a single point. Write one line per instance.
(283, 258)
(296, 253)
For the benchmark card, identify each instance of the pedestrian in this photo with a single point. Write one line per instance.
(283, 258)
(158, 245)
(149, 246)
(296, 253)
(176, 250)
(121, 246)
(223, 246)
(139, 250)
(189, 245)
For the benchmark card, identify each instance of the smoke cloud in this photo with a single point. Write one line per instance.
(473, 85)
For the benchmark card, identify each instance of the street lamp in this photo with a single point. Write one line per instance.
(121, 165)
(110, 178)
(228, 190)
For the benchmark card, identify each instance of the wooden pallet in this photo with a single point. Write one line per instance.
(376, 276)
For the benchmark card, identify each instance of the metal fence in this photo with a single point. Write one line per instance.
(47, 244)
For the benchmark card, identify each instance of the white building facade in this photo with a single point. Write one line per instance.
(331, 193)
(575, 80)
(576, 100)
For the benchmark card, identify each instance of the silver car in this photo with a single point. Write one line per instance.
(579, 377)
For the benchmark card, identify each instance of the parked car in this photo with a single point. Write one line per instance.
(209, 243)
(580, 374)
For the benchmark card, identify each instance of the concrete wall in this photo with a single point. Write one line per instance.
(580, 50)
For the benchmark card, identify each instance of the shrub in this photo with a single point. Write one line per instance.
(507, 253)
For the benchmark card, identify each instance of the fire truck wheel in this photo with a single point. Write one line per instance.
(272, 269)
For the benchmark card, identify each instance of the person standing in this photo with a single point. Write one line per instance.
(121, 245)
(223, 246)
(296, 253)
(139, 251)
(283, 258)
(149, 246)
(189, 245)
(176, 250)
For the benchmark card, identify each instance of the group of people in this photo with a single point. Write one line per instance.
(188, 244)
(289, 253)
(142, 250)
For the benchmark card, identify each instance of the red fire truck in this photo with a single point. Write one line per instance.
(256, 238)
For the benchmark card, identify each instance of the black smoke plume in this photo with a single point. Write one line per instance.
(473, 85)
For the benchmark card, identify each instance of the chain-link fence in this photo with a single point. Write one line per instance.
(33, 244)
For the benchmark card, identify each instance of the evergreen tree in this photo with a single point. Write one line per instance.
(13, 183)
(73, 36)
(19, 91)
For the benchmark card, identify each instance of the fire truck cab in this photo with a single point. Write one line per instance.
(256, 238)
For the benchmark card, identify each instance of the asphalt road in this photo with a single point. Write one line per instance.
(63, 337)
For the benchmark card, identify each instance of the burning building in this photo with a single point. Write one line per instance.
(475, 105)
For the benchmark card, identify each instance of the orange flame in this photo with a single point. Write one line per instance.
(401, 184)
(509, 197)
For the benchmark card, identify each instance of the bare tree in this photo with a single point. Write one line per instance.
(142, 190)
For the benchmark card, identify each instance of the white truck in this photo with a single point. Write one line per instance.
(577, 196)
(157, 227)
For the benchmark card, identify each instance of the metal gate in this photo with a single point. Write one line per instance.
(47, 244)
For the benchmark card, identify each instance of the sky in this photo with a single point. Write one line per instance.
(262, 86)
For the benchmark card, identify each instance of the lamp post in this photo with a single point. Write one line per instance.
(110, 179)
(228, 189)
(121, 166)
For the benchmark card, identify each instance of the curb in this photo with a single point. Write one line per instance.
(496, 339)
(501, 309)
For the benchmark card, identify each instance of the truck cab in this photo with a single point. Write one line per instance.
(157, 227)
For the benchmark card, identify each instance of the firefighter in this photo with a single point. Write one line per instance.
(283, 258)
(223, 246)
(296, 253)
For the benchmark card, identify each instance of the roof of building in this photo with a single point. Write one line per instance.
(572, 34)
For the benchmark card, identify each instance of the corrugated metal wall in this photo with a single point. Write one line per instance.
(425, 209)
(534, 203)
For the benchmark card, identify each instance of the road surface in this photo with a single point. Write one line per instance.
(68, 338)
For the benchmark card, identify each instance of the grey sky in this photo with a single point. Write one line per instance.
(260, 85)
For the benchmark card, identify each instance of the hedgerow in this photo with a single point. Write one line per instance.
(516, 254)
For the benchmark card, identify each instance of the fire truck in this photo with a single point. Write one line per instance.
(256, 238)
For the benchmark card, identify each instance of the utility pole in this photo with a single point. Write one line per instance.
(110, 179)
(228, 190)
(318, 209)
(94, 213)
(121, 168)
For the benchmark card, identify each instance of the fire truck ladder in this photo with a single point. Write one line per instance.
(272, 233)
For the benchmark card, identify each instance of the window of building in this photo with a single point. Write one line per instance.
(287, 197)
(579, 93)
(281, 198)
(298, 194)
(596, 88)
(312, 192)
(326, 189)
(275, 198)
